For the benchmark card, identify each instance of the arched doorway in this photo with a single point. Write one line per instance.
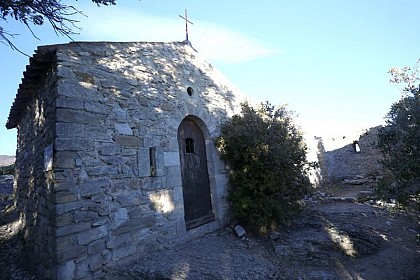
(195, 177)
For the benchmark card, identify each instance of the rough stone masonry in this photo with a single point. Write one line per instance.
(349, 156)
(101, 163)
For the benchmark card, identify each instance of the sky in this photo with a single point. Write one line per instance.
(327, 60)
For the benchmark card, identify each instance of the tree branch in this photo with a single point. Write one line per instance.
(6, 41)
(36, 11)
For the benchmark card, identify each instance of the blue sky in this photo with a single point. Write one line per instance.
(328, 60)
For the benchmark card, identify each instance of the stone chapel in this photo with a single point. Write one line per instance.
(115, 154)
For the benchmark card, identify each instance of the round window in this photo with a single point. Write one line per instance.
(190, 91)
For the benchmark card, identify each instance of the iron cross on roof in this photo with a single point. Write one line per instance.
(186, 23)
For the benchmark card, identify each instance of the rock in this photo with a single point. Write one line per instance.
(66, 270)
(358, 181)
(6, 184)
(240, 231)
(341, 199)
(321, 194)
(365, 195)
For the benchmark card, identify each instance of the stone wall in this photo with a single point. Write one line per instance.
(114, 102)
(36, 131)
(339, 157)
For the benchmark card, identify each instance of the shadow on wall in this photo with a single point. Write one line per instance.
(110, 110)
(349, 156)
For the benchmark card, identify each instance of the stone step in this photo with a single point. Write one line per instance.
(366, 193)
(341, 199)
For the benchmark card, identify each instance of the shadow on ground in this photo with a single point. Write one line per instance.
(335, 238)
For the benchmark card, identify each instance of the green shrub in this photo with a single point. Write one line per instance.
(399, 142)
(267, 156)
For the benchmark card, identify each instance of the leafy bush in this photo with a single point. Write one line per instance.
(399, 142)
(267, 156)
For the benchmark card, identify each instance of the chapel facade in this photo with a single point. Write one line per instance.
(115, 154)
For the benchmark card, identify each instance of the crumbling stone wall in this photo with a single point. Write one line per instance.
(339, 158)
(114, 103)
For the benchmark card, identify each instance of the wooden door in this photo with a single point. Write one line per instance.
(195, 178)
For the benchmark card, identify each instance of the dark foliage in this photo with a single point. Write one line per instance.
(267, 156)
(399, 142)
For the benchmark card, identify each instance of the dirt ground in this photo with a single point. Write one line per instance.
(336, 237)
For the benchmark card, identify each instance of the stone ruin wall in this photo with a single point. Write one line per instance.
(113, 103)
(339, 160)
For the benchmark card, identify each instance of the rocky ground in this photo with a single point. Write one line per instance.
(341, 234)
